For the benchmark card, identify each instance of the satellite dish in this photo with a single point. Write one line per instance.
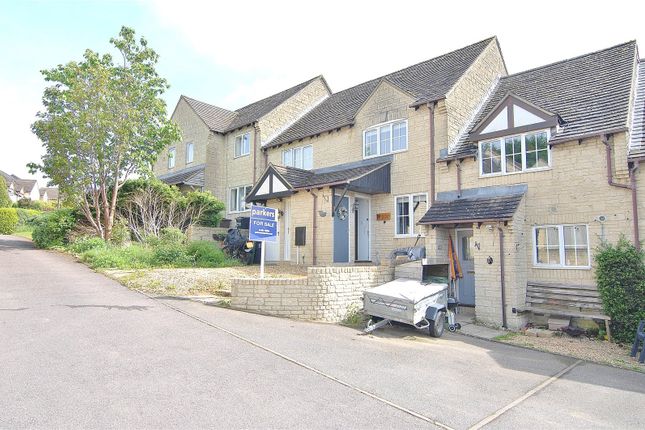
(342, 213)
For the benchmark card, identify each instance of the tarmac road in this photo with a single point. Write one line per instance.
(80, 350)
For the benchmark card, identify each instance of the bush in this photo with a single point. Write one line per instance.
(5, 201)
(8, 220)
(27, 217)
(52, 228)
(37, 205)
(620, 275)
(172, 236)
(86, 243)
(120, 233)
(115, 257)
(207, 254)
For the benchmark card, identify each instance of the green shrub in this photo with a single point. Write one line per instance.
(206, 254)
(5, 201)
(85, 243)
(8, 220)
(115, 257)
(172, 236)
(37, 205)
(171, 254)
(620, 275)
(52, 228)
(120, 233)
(27, 217)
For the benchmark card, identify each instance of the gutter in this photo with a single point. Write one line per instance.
(431, 107)
(632, 187)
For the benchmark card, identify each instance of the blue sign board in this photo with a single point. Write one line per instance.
(263, 225)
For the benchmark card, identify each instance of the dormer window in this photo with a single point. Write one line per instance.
(385, 139)
(515, 154)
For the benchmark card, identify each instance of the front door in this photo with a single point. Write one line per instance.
(465, 254)
(273, 248)
(341, 230)
(361, 229)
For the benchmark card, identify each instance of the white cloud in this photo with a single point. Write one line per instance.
(285, 42)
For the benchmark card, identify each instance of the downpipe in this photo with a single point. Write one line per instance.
(314, 228)
(502, 274)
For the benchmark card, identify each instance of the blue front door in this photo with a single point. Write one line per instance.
(341, 230)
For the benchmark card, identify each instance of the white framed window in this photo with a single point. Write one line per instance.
(302, 158)
(408, 210)
(514, 154)
(190, 152)
(561, 246)
(242, 145)
(385, 138)
(236, 198)
(172, 157)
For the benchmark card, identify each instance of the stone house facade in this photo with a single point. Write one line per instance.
(522, 175)
(220, 149)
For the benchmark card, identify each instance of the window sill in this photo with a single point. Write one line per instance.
(241, 156)
(367, 157)
(408, 236)
(535, 266)
(494, 175)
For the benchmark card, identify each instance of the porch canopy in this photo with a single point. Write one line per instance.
(370, 176)
(476, 205)
(192, 176)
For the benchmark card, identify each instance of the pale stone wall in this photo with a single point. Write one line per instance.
(238, 171)
(573, 191)
(204, 233)
(215, 172)
(194, 130)
(326, 294)
(467, 94)
(292, 109)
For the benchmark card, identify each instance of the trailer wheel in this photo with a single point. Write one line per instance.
(436, 326)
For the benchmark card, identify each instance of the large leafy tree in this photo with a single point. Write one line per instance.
(104, 120)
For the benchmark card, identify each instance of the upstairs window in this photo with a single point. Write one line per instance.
(242, 145)
(172, 156)
(302, 158)
(514, 154)
(190, 152)
(237, 196)
(385, 139)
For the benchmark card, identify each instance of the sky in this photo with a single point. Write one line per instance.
(233, 53)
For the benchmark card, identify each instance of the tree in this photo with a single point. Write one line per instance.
(5, 201)
(103, 121)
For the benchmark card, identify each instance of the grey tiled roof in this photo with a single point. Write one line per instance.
(339, 174)
(222, 120)
(637, 143)
(216, 118)
(426, 81)
(191, 176)
(52, 192)
(590, 93)
(496, 208)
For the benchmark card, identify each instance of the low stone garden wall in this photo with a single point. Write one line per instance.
(325, 294)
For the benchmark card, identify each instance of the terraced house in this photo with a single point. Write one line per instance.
(526, 174)
(220, 148)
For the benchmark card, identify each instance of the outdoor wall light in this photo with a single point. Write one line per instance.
(489, 260)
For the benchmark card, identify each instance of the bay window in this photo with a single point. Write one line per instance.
(385, 139)
(513, 154)
(561, 246)
(302, 158)
(408, 210)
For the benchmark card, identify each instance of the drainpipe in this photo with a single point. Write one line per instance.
(255, 150)
(632, 187)
(314, 228)
(502, 274)
(431, 107)
(458, 165)
(632, 181)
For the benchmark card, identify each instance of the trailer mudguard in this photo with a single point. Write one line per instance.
(432, 311)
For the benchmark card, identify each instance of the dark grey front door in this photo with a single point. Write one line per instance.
(465, 254)
(341, 230)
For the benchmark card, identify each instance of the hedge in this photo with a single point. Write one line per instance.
(52, 228)
(620, 275)
(8, 220)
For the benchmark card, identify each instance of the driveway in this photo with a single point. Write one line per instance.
(80, 350)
